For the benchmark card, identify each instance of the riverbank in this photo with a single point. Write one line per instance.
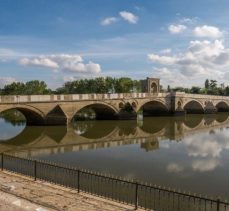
(22, 193)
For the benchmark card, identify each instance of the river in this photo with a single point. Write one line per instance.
(189, 153)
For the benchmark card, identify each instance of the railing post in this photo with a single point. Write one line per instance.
(2, 157)
(35, 170)
(78, 180)
(218, 203)
(136, 196)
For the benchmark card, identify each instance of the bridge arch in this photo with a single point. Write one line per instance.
(103, 111)
(222, 106)
(92, 130)
(155, 125)
(222, 117)
(193, 107)
(154, 108)
(32, 115)
(193, 121)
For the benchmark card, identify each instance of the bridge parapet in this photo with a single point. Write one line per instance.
(74, 97)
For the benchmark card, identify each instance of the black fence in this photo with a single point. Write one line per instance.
(140, 195)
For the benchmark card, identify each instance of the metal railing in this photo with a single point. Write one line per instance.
(140, 195)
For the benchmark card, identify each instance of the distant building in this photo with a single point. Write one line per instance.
(151, 85)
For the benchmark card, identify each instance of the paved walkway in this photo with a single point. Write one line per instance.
(21, 193)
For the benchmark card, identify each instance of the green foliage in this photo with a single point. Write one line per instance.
(211, 88)
(13, 116)
(213, 84)
(195, 90)
(206, 85)
(28, 88)
(104, 85)
(16, 88)
(100, 85)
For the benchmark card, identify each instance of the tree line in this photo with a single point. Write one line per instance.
(105, 85)
(82, 86)
(211, 87)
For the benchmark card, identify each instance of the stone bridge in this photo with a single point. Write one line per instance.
(60, 109)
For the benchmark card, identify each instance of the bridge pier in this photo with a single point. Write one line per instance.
(179, 113)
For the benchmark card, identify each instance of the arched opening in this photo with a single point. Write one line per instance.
(28, 135)
(154, 125)
(56, 117)
(192, 121)
(222, 107)
(153, 88)
(94, 130)
(154, 108)
(96, 111)
(31, 116)
(14, 120)
(222, 117)
(12, 123)
(127, 128)
(193, 107)
(127, 111)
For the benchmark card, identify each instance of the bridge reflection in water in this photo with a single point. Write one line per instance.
(188, 152)
(86, 135)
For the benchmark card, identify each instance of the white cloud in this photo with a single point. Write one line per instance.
(200, 59)
(175, 168)
(42, 62)
(208, 147)
(203, 165)
(129, 17)
(6, 80)
(65, 62)
(166, 60)
(177, 29)
(188, 20)
(108, 21)
(207, 153)
(166, 51)
(207, 31)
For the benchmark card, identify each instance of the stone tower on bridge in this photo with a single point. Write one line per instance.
(151, 85)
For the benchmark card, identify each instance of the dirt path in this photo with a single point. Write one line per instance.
(42, 196)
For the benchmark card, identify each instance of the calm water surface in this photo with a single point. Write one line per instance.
(188, 153)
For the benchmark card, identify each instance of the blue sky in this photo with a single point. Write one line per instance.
(181, 41)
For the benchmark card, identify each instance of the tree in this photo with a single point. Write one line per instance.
(36, 87)
(227, 90)
(15, 88)
(29, 88)
(137, 86)
(178, 89)
(110, 83)
(213, 84)
(123, 85)
(207, 84)
(195, 90)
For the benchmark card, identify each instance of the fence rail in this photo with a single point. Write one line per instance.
(140, 195)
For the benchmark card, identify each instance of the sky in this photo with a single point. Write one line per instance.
(182, 42)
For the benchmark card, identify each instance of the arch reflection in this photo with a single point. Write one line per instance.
(87, 135)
